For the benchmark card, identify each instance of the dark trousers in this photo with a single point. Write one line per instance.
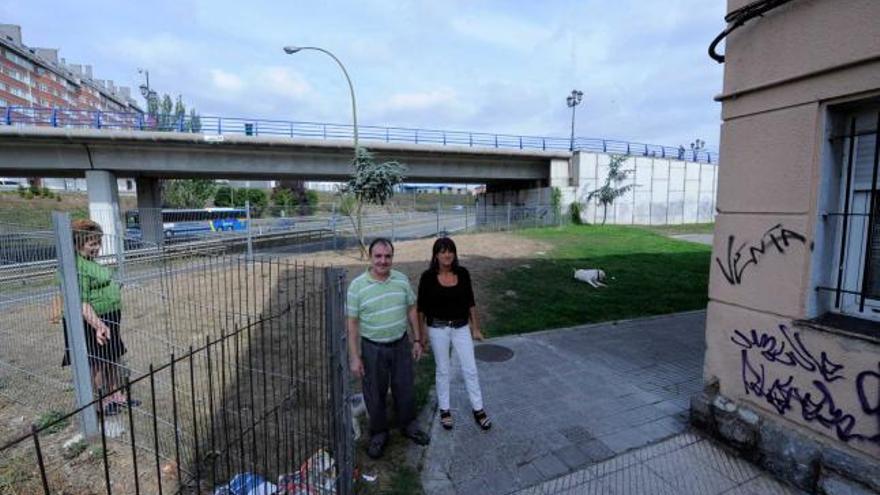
(383, 364)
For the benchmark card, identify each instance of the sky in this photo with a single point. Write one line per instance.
(482, 66)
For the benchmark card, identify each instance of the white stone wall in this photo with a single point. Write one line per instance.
(666, 192)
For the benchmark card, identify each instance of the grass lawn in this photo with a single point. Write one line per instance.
(689, 228)
(648, 274)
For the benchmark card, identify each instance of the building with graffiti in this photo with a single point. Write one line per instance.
(792, 367)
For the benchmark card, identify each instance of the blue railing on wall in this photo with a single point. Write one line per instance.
(95, 119)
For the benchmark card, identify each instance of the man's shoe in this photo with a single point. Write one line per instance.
(377, 445)
(418, 437)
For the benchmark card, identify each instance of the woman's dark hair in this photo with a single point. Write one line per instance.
(440, 245)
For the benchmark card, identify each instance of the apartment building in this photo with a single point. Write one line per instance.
(37, 77)
(792, 362)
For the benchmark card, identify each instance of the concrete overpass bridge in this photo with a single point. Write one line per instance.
(102, 156)
(58, 152)
(518, 169)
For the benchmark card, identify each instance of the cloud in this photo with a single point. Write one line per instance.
(421, 101)
(488, 66)
(226, 82)
(280, 81)
(497, 29)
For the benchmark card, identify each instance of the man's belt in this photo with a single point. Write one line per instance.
(438, 323)
(385, 344)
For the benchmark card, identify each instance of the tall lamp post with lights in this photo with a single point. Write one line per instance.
(146, 91)
(290, 50)
(573, 100)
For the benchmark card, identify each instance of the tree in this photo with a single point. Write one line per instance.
(612, 189)
(370, 183)
(179, 113)
(223, 196)
(187, 193)
(283, 197)
(226, 196)
(165, 114)
(195, 122)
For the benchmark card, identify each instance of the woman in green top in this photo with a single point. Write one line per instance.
(102, 304)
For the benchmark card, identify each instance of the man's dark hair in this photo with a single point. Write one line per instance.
(381, 240)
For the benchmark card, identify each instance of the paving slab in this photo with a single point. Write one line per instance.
(569, 399)
(683, 464)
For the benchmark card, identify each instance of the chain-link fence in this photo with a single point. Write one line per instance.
(183, 365)
(279, 230)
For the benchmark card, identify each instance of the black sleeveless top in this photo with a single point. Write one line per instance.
(446, 303)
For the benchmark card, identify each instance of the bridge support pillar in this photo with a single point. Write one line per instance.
(149, 203)
(564, 175)
(527, 203)
(103, 194)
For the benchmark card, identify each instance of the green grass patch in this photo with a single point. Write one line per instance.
(405, 481)
(648, 274)
(424, 379)
(14, 472)
(52, 422)
(689, 228)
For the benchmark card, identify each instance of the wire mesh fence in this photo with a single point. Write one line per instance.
(200, 364)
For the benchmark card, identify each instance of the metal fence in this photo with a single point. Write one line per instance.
(96, 119)
(233, 364)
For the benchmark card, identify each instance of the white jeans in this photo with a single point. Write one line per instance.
(460, 338)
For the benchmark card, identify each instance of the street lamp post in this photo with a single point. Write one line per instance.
(290, 50)
(146, 91)
(573, 100)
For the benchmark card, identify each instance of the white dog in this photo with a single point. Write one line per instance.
(592, 276)
(358, 407)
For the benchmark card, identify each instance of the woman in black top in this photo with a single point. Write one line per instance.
(446, 306)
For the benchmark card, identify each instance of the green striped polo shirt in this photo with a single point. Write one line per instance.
(380, 306)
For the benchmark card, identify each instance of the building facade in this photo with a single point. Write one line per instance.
(793, 325)
(36, 77)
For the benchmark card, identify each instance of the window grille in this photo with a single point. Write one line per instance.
(856, 289)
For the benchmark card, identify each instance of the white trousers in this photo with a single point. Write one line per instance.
(460, 339)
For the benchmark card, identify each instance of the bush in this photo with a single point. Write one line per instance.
(45, 192)
(574, 212)
(228, 197)
(257, 197)
(223, 196)
(187, 193)
(283, 197)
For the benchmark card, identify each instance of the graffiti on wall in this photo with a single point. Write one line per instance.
(765, 357)
(747, 255)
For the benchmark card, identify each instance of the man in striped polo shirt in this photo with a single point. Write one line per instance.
(381, 306)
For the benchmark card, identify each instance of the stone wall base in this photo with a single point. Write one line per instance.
(790, 455)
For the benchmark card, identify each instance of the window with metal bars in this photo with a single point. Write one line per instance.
(855, 289)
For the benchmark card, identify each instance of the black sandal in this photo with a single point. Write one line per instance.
(446, 419)
(482, 419)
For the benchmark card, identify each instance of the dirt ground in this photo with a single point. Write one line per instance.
(483, 255)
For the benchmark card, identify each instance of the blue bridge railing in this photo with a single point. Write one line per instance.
(95, 119)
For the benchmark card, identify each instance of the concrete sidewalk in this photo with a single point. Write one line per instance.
(571, 400)
(684, 464)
